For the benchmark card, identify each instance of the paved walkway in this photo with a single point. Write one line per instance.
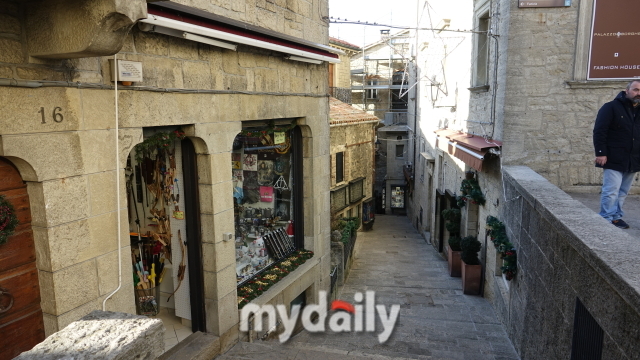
(631, 209)
(436, 320)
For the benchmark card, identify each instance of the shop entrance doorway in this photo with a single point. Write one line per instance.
(164, 223)
(21, 323)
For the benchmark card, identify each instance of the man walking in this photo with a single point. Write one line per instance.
(616, 138)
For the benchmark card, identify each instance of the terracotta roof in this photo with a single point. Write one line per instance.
(342, 113)
(348, 45)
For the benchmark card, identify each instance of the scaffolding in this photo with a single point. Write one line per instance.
(380, 79)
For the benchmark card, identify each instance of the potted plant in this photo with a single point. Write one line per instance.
(452, 218)
(453, 255)
(471, 267)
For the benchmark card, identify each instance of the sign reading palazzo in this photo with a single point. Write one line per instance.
(615, 36)
(543, 3)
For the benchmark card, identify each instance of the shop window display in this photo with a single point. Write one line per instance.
(262, 163)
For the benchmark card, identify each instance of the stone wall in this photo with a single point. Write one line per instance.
(545, 109)
(70, 166)
(306, 19)
(103, 335)
(565, 252)
(356, 142)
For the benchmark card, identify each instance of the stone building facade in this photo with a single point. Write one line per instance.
(58, 132)
(528, 102)
(352, 150)
(340, 74)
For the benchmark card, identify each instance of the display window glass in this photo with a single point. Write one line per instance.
(397, 197)
(262, 162)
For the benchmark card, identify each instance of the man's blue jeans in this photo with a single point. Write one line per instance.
(615, 187)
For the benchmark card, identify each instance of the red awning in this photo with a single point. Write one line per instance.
(471, 149)
(200, 18)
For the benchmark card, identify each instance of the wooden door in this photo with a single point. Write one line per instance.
(21, 324)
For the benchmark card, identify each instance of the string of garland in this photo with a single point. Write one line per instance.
(262, 283)
(158, 141)
(8, 219)
(471, 191)
(269, 130)
(498, 234)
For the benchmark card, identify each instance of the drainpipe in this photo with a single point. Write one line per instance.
(117, 158)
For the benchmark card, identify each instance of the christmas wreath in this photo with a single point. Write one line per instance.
(8, 220)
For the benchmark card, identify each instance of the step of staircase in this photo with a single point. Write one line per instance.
(197, 346)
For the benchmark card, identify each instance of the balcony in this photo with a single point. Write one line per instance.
(342, 94)
(395, 118)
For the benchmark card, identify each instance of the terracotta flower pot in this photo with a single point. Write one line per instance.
(471, 278)
(454, 262)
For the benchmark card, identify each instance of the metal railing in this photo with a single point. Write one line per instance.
(395, 118)
(342, 94)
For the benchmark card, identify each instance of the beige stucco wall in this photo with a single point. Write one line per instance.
(70, 165)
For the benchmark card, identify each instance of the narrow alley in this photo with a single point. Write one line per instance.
(436, 320)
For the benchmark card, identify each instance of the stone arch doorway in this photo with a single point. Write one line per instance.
(21, 321)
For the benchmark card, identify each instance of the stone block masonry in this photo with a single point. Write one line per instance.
(566, 252)
(103, 335)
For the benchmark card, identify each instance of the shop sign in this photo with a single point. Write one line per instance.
(543, 3)
(614, 38)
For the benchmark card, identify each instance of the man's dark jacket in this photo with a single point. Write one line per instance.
(616, 134)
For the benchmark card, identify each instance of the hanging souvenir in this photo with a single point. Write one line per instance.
(236, 160)
(266, 194)
(250, 162)
(237, 175)
(250, 180)
(279, 137)
(177, 214)
(281, 165)
(281, 184)
(265, 172)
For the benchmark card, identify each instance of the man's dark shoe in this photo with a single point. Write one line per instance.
(620, 224)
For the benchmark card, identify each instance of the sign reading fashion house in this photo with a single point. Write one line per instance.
(614, 41)
(543, 3)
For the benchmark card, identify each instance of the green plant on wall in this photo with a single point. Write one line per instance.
(452, 219)
(471, 192)
(470, 247)
(348, 227)
(498, 235)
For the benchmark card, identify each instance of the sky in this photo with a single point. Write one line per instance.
(394, 12)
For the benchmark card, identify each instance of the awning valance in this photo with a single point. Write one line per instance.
(170, 21)
(471, 149)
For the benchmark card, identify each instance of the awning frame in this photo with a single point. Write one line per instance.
(175, 25)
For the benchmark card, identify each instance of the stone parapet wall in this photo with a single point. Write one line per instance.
(565, 252)
(103, 335)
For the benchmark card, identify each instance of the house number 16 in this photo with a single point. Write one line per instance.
(57, 116)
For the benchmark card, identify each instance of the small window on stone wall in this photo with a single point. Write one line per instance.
(482, 52)
(339, 167)
(399, 151)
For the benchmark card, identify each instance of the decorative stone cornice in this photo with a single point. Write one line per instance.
(64, 29)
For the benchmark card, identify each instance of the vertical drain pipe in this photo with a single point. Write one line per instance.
(117, 150)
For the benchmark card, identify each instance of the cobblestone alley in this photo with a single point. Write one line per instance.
(436, 320)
